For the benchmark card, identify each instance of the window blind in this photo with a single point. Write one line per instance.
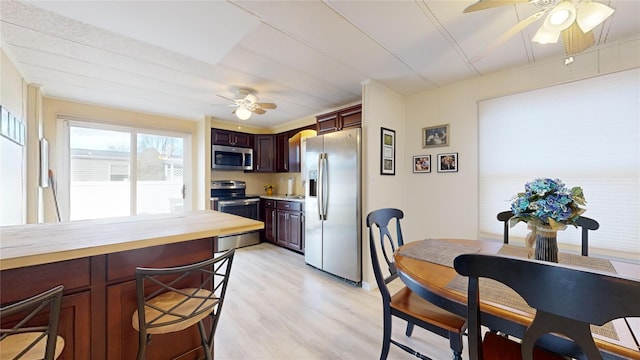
(585, 133)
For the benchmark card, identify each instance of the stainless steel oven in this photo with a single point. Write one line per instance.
(229, 196)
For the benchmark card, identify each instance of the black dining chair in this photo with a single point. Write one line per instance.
(174, 299)
(566, 299)
(405, 304)
(584, 223)
(26, 337)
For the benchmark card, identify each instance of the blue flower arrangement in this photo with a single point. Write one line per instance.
(548, 202)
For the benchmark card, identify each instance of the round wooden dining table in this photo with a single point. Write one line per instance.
(426, 267)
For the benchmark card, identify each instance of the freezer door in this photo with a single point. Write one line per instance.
(312, 222)
(341, 246)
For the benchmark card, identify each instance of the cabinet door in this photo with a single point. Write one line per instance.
(122, 338)
(231, 138)
(270, 225)
(295, 152)
(351, 118)
(282, 228)
(243, 140)
(282, 153)
(264, 153)
(295, 228)
(327, 123)
(221, 137)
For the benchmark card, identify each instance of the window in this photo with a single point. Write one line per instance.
(120, 171)
(585, 133)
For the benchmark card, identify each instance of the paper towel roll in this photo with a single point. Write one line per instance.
(290, 186)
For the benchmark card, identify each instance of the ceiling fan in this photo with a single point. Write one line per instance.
(246, 103)
(573, 19)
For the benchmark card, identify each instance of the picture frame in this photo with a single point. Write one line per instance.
(422, 164)
(387, 151)
(448, 162)
(436, 136)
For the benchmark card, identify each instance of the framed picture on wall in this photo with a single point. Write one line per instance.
(435, 136)
(448, 162)
(422, 164)
(387, 152)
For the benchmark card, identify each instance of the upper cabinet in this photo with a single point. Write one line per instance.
(264, 152)
(350, 117)
(282, 153)
(231, 138)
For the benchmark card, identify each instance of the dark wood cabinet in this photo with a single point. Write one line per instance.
(75, 313)
(282, 152)
(231, 138)
(294, 152)
(284, 223)
(350, 117)
(100, 297)
(290, 223)
(264, 153)
(269, 220)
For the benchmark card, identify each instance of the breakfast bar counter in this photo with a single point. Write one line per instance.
(95, 260)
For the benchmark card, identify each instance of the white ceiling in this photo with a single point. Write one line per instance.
(173, 57)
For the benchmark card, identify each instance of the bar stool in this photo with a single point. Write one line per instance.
(25, 341)
(180, 297)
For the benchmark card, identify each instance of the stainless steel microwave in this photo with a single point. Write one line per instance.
(231, 158)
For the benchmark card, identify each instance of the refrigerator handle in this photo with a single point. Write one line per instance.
(322, 179)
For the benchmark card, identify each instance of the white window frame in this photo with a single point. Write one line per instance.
(64, 168)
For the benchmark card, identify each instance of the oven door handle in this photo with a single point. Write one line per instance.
(238, 202)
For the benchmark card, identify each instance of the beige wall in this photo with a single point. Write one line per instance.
(446, 204)
(381, 107)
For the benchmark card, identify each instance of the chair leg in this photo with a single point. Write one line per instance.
(143, 340)
(409, 330)
(386, 337)
(455, 343)
(205, 344)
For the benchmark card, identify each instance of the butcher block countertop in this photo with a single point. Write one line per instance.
(35, 244)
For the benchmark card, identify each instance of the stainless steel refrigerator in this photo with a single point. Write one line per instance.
(332, 206)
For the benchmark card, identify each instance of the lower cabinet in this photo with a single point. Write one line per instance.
(284, 223)
(270, 218)
(99, 300)
(75, 312)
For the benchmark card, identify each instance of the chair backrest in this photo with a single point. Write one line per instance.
(380, 219)
(29, 337)
(566, 299)
(199, 289)
(584, 223)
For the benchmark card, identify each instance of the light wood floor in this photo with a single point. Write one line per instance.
(277, 307)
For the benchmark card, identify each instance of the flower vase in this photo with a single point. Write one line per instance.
(530, 240)
(269, 191)
(546, 244)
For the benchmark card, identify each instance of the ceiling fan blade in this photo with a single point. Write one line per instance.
(267, 105)
(258, 111)
(508, 35)
(488, 4)
(575, 41)
(226, 98)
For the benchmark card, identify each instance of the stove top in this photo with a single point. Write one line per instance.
(230, 190)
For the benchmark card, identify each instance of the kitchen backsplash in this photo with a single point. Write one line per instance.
(257, 181)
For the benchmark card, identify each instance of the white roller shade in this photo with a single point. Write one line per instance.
(585, 133)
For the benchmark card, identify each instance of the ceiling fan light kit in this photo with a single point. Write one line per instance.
(592, 14)
(574, 19)
(246, 104)
(546, 36)
(561, 16)
(242, 113)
